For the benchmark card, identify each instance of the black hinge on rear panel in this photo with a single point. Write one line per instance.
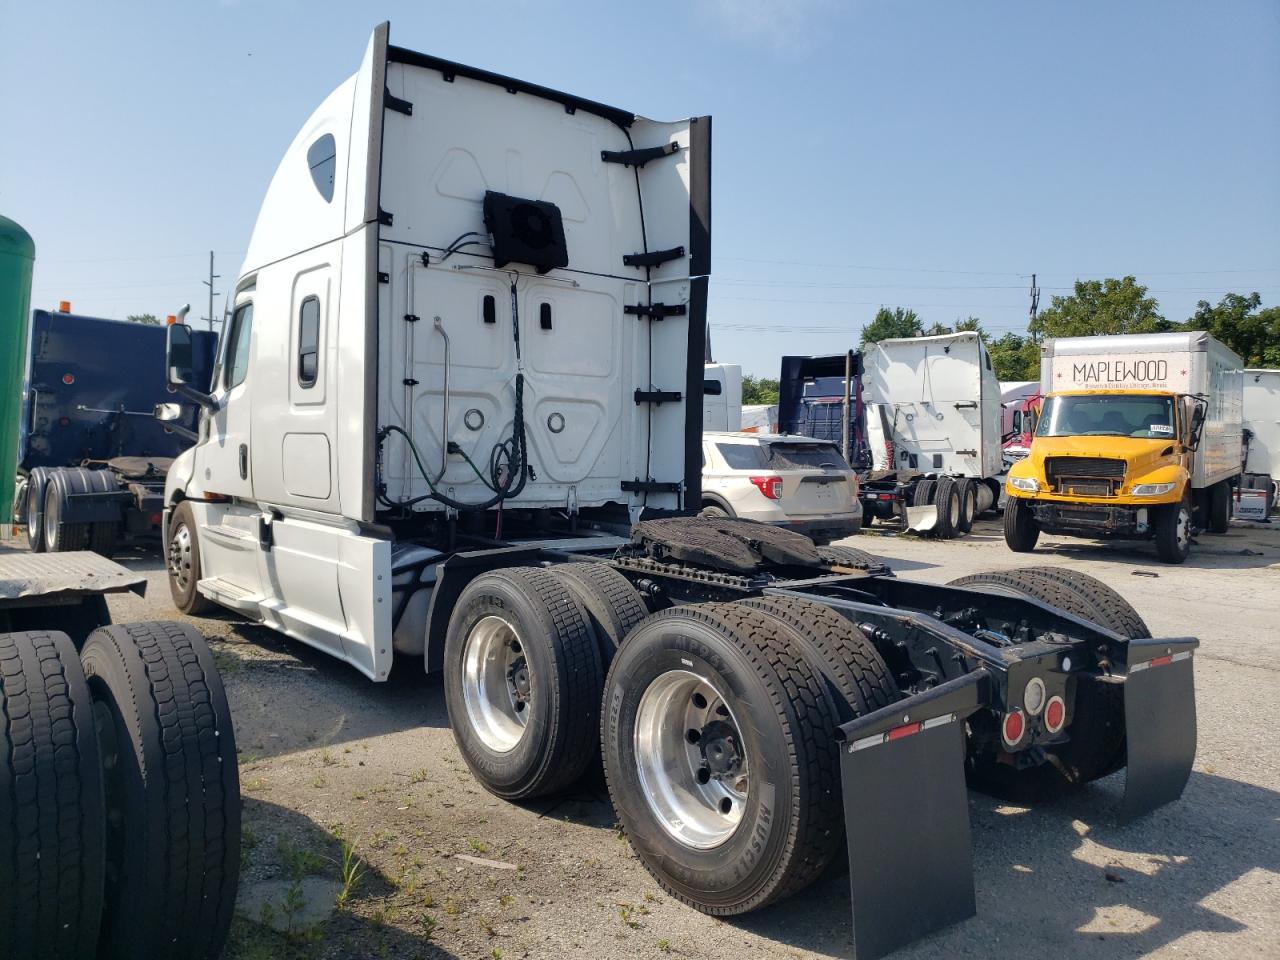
(384, 218)
(410, 318)
(654, 259)
(392, 102)
(384, 277)
(657, 397)
(638, 157)
(410, 382)
(656, 311)
(649, 486)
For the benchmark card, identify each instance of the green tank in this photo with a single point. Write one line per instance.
(17, 257)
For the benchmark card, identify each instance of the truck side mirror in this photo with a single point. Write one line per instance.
(179, 356)
(1199, 410)
(168, 412)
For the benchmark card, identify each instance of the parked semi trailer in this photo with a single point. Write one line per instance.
(92, 457)
(1139, 437)
(458, 417)
(934, 429)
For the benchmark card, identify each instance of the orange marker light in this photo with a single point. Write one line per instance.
(64, 306)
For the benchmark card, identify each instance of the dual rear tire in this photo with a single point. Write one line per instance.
(717, 726)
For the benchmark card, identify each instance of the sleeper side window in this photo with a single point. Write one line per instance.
(322, 158)
(309, 342)
(237, 360)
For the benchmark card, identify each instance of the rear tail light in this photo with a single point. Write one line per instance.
(1055, 714)
(1013, 728)
(771, 487)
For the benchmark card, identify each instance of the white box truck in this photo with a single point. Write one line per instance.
(934, 417)
(1262, 437)
(458, 415)
(1139, 437)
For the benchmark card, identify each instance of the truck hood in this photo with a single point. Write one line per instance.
(1138, 453)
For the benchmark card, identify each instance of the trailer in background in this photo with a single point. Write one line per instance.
(821, 397)
(1261, 446)
(1019, 405)
(934, 428)
(92, 456)
(721, 396)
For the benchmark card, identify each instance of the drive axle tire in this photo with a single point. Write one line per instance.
(182, 562)
(968, 503)
(721, 758)
(172, 786)
(60, 536)
(1173, 532)
(522, 681)
(1020, 528)
(947, 501)
(612, 604)
(104, 538)
(1219, 507)
(51, 814)
(838, 650)
(37, 481)
(923, 495)
(1107, 607)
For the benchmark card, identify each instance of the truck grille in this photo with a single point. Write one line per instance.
(1085, 476)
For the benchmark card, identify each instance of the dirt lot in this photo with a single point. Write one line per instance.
(327, 757)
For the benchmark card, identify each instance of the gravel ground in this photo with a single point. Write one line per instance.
(328, 757)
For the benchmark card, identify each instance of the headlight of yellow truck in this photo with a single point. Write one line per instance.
(1152, 489)
(1025, 484)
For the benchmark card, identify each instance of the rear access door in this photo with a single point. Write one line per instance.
(546, 256)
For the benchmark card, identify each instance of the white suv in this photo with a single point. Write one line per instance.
(787, 481)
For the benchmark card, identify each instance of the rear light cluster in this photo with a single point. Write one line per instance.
(1035, 703)
(771, 487)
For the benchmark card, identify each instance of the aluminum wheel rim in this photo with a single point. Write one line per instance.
(180, 557)
(33, 510)
(52, 517)
(497, 684)
(953, 507)
(691, 759)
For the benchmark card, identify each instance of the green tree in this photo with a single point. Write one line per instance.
(148, 318)
(1242, 324)
(1102, 307)
(759, 390)
(891, 324)
(970, 325)
(1015, 357)
(936, 329)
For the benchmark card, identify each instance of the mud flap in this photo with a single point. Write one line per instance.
(906, 815)
(1160, 723)
(921, 519)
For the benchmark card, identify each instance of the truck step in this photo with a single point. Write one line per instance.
(229, 594)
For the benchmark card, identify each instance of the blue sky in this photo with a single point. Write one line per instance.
(928, 154)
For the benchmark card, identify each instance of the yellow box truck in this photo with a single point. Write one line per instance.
(1140, 437)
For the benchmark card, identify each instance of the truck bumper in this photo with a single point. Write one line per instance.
(906, 809)
(1093, 519)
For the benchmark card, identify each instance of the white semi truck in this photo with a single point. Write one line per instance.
(934, 425)
(457, 417)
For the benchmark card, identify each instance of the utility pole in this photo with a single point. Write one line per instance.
(209, 283)
(1035, 301)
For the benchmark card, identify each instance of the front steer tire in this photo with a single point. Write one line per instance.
(52, 844)
(526, 727)
(172, 787)
(1020, 528)
(788, 821)
(1173, 532)
(182, 563)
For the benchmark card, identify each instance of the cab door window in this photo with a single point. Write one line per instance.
(236, 364)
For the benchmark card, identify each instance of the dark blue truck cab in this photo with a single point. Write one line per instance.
(91, 455)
